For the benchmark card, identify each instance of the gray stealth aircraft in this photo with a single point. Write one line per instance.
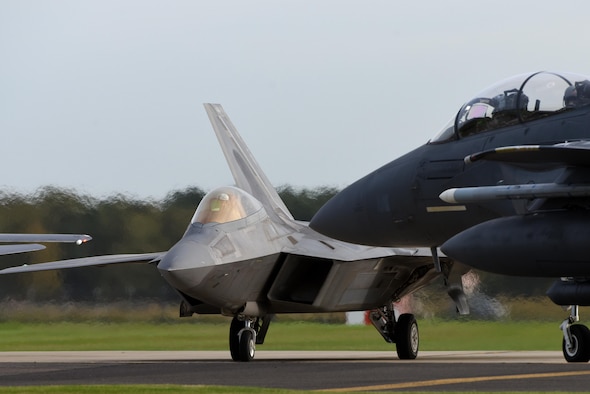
(244, 255)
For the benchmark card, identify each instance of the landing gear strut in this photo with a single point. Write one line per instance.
(402, 331)
(244, 334)
(576, 339)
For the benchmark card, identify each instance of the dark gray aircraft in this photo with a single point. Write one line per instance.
(243, 255)
(504, 187)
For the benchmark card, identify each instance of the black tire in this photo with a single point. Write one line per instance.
(580, 351)
(234, 339)
(407, 338)
(247, 346)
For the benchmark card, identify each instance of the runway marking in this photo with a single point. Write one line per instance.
(441, 382)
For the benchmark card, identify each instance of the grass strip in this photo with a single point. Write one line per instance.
(159, 389)
(143, 389)
(434, 335)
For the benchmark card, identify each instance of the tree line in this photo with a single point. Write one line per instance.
(118, 224)
(122, 224)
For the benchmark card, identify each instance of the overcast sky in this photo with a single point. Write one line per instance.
(106, 96)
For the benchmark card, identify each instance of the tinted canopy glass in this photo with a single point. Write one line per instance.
(518, 99)
(225, 204)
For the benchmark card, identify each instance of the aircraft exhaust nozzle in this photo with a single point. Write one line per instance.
(552, 244)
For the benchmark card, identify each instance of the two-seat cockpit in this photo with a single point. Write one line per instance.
(517, 100)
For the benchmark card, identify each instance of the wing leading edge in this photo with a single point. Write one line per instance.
(64, 238)
(79, 239)
(13, 249)
(95, 261)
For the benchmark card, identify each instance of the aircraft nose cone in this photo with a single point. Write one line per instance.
(377, 210)
(186, 264)
(345, 218)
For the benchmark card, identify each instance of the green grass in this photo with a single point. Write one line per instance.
(486, 335)
(143, 389)
(194, 334)
(435, 335)
(154, 326)
(158, 389)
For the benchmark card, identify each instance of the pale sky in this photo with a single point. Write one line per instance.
(106, 96)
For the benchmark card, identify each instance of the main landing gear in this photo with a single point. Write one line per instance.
(576, 339)
(244, 334)
(402, 331)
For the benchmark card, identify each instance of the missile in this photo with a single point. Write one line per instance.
(486, 193)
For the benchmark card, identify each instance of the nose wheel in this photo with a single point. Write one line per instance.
(578, 349)
(242, 340)
(576, 339)
(244, 334)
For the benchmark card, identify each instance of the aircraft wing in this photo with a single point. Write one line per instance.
(73, 238)
(312, 244)
(245, 169)
(31, 247)
(575, 153)
(12, 249)
(95, 261)
(544, 157)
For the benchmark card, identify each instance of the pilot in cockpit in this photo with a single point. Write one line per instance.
(507, 107)
(577, 95)
(223, 208)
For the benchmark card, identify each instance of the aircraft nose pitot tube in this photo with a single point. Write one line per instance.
(186, 264)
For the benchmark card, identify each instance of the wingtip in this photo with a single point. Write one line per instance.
(83, 239)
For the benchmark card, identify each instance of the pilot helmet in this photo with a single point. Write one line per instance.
(217, 202)
(577, 94)
(570, 98)
(583, 92)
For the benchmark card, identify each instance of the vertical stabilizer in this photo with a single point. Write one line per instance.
(245, 169)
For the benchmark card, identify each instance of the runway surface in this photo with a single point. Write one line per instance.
(326, 371)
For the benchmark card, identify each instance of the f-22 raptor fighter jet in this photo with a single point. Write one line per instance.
(244, 255)
(504, 187)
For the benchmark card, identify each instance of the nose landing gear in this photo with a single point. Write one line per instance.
(244, 334)
(576, 339)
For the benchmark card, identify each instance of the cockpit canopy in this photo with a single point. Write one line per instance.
(226, 204)
(515, 100)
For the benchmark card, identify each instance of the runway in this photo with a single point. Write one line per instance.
(325, 371)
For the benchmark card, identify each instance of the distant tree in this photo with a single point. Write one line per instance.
(178, 209)
(304, 203)
(120, 224)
